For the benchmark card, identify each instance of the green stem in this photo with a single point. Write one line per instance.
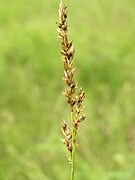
(73, 148)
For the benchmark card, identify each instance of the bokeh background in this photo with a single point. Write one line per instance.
(31, 102)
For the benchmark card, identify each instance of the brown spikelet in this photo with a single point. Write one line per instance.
(73, 99)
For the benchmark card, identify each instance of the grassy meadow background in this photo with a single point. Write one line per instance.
(31, 103)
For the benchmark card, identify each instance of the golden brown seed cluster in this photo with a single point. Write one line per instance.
(68, 51)
(78, 101)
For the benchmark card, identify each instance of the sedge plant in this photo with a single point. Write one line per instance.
(74, 96)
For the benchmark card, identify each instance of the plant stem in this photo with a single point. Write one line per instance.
(73, 148)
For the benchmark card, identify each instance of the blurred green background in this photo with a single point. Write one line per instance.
(31, 103)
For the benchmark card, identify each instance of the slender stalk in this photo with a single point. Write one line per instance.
(73, 148)
(74, 99)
